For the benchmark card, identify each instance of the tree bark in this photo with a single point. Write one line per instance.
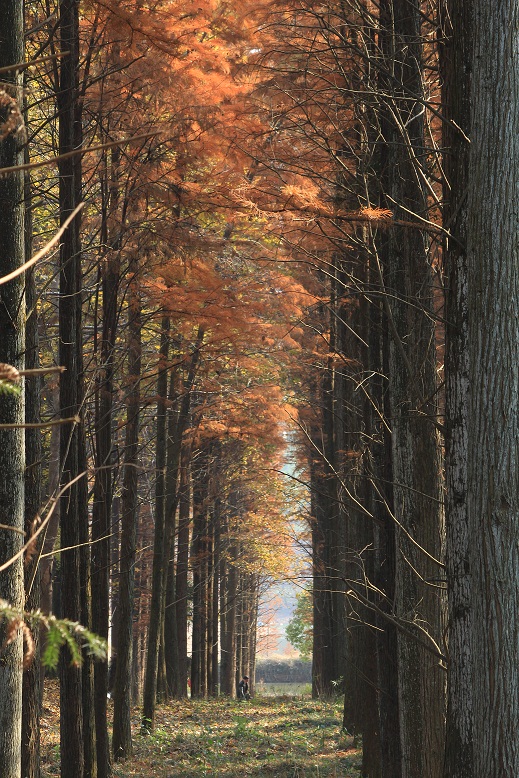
(413, 389)
(215, 605)
(31, 697)
(229, 586)
(181, 585)
(455, 60)
(12, 446)
(154, 634)
(198, 553)
(71, 715)
(170, 645)
(493, 431)
(122, 732)
(382, 508)
(162, 547)
(103, 494)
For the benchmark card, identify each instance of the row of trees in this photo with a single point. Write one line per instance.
(284, 235)
(154, 460)
(411, 479)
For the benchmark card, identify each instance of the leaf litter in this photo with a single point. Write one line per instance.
(265, 737)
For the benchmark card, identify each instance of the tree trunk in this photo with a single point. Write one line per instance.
(198, 550)
(103, 493)
(122, 732)
(31, 697)
(162, 547)
(385, 546)
(12, 446)
(174, 445)
(71, 714)
(324, 670)
(154, 634)
(455, 59)
(412, 388)
(493, 431)
(181, 586)
(87, 668)
(215, 605)
(51, 532)
(228, 623)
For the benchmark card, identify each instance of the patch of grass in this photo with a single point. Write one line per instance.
(264, 738)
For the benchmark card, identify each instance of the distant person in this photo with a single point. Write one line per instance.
(243, 688)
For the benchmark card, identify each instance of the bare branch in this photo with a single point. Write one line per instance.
(40, 61)
(40, 425)
(45, 250)
(34, 165)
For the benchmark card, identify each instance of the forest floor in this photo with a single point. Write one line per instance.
(275, 737)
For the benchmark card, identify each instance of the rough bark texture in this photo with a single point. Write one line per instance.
(12, 451)
(493, 337)
(31, 697)
(215, 605)
(198, 558)
(381, 506)
(103, 495)
(319, 589)
(71, 714)
(87, 668)
(412, 388)
(163, 544)
(169, 628)
(152, 653)
(229, 587)
(181, 583)
(455, 58)
(122, 732)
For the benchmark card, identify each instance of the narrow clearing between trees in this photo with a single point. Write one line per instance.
(284, 737)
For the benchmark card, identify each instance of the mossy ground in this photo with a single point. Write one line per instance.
(271, 737)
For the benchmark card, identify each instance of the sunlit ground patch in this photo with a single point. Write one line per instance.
(277, 737)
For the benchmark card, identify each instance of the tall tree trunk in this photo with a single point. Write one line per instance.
(51, 531)
(323, 669)
(215, 605)
(455, 59)
(71, 714)
(493, 431)
(154, 633)
(87, 668)
(170, 645)
(31, 697)
(181, 584)
(354, 428)
(198, 550)
(208, 607)
(162, 547)
(12, 445)
(381, 505)
(412, 387)
(229, 585)
(103, 493)
(122, 732)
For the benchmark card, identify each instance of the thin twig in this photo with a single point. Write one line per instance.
(41, 253)
(34, 165)
(40, 425)
(40, 61)
(12, 529)
(42, 370)
(42, 526)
